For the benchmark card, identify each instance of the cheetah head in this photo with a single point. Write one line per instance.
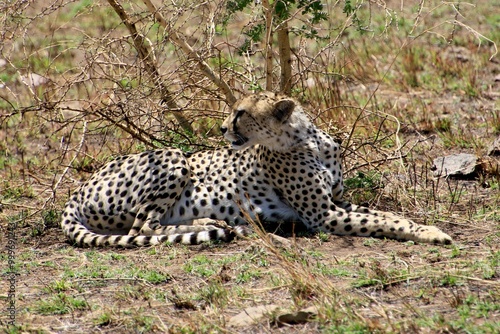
(263, 118)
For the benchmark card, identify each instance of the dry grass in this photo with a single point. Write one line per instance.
(398, 86)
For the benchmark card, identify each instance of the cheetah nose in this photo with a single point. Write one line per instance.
(223, 129)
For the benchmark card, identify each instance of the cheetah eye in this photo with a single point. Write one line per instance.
(239, 113)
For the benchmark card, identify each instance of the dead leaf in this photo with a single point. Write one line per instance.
(299, 317)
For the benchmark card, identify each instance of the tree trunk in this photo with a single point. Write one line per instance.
(269, 44)
(285, 59)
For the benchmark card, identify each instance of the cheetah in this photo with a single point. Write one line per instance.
(279, 167)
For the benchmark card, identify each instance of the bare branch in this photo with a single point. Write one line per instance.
(147, 56)
(188, 50)
(78, 150)
(130, 128)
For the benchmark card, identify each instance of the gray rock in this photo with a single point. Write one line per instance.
(456, 165)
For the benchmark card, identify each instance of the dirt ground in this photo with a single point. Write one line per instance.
(418, 287)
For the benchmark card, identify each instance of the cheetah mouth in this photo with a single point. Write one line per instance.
(240, 142)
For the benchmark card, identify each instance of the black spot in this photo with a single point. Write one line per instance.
(177, 239)
(93, 242)
(212, 234)
(193, 239)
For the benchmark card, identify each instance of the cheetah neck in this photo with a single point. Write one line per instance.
(298, 134)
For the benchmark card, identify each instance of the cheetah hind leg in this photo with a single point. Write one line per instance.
(152, 226)
(157, 229)
(200, 231)
(147, 222)
(197, 225)
(386, 224)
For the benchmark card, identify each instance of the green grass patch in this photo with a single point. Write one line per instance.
(60, 304)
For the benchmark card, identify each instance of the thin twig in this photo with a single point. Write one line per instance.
(80, 145)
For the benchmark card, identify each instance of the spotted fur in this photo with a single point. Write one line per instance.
(280, 167)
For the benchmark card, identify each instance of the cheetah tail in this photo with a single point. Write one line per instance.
(83, 237)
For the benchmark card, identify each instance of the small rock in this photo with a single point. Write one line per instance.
(456, 165)
(280, 241)
(494, 149)
(251, 315)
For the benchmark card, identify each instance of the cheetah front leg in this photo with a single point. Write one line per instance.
(349, 207)
(398, 227)
(343, 218)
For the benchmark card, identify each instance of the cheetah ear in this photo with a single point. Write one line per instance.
(283, 109)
